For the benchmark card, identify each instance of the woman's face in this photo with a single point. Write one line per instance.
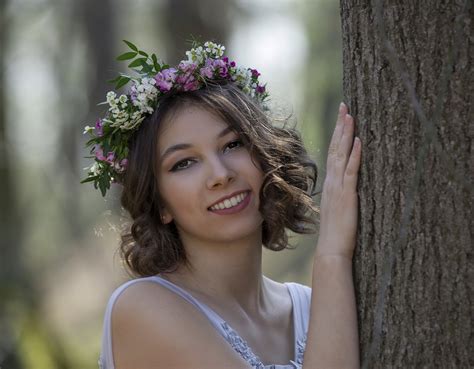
(209, 163)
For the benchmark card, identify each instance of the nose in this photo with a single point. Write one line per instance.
(220, 174)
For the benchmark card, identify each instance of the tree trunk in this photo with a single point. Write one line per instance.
(408, 81)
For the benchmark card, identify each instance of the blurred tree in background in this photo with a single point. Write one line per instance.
(58, 261)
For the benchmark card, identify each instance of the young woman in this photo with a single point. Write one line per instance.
(207, 180)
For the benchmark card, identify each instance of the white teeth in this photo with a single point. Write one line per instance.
(228, 203)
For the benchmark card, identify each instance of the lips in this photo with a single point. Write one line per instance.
(228, 197)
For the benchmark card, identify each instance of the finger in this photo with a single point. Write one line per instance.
(336, 136)
(353, 165)
(344, 148)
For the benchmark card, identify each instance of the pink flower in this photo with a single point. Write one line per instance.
(110, 157)
(260, 89)
(99, 153)
(122, 166)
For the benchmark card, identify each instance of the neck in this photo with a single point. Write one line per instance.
(227, 273)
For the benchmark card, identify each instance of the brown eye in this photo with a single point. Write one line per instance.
(178, 165)
(238, 143)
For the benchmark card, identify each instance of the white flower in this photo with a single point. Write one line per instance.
(123, 99)
(196, 55)
(95, 169)
(88, 129)
(214, 49)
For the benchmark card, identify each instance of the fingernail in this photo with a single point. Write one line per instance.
(341, 105)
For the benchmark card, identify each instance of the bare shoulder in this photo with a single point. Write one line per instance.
(279, 290)
(152, 327)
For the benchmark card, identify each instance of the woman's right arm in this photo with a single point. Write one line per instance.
(333, 340)
(153, 327)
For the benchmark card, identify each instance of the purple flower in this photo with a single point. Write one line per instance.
(255, 73)
(191, 85)
(187, 67)
(207, 71)
(99, 127)
(165, 79)
(124, 163)
(260, 89)
(187, 82)
(186, 79)
(221, 66)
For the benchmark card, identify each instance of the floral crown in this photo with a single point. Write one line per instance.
(110, 135)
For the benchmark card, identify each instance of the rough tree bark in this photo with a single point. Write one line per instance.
(408, 81)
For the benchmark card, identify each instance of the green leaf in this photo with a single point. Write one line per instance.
(146, 69)
(130, 45)
(143, 53)
(89, 179)
(122, 82)
(156, 65)
(102, 186)
(114, 80)
(127, 56)
(137, 62)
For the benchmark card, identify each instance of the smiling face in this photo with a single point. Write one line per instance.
(200, 161)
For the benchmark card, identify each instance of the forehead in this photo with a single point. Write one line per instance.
(188, 123)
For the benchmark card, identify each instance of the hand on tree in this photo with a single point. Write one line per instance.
(339, 200)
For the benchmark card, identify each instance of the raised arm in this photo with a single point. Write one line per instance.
(333, 340)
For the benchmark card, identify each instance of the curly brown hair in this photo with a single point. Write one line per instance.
(150, 247)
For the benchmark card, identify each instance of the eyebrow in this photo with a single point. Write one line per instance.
(183, 146)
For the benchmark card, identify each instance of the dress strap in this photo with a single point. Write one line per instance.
(301, 296)
(214, 318)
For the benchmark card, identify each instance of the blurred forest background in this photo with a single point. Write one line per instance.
(59, 238)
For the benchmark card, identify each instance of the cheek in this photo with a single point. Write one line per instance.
(255, 169)
(181, 195)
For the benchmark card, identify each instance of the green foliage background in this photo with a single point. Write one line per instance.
(59, 263)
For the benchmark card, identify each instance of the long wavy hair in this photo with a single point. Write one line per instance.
(149, 247)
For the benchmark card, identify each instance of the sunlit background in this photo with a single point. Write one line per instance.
(59, 238)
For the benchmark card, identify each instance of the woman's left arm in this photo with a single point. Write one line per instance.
(333, 340)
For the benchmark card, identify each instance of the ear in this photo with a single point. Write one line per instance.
(165, 215)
